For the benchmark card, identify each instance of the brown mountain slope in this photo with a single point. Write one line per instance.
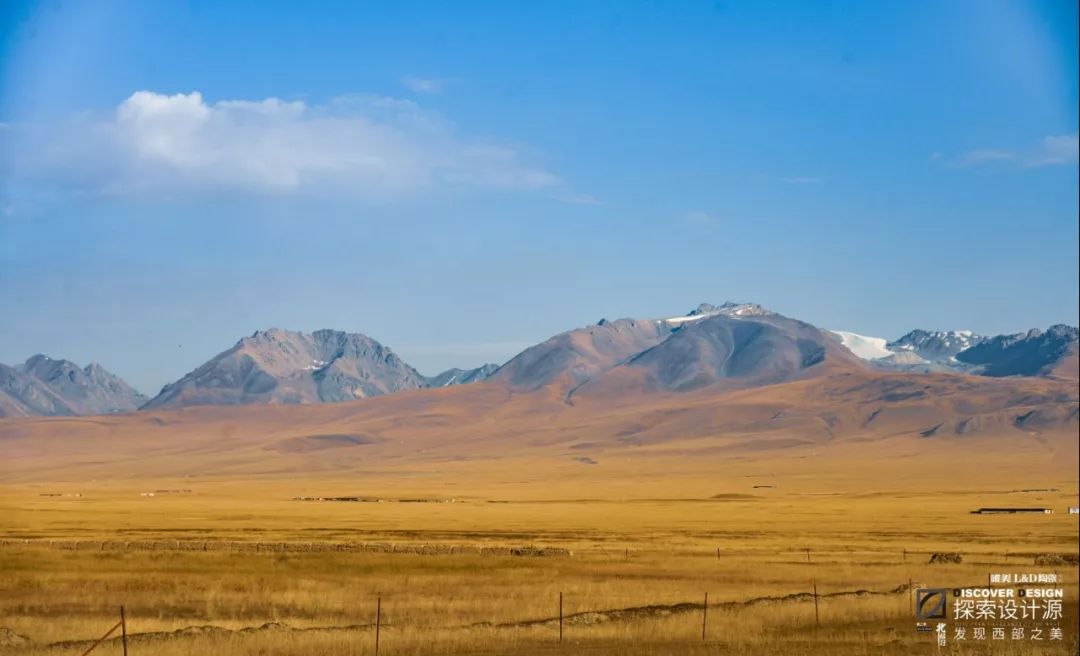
(576, 356)
(733, 345)
(1068, 366)
(727, 352)
(487, 425)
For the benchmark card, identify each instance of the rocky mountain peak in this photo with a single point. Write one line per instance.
(49, 386)
(284, 366)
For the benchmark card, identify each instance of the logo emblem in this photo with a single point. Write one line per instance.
(930, 603)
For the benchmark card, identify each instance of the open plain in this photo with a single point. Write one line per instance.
(462, 515)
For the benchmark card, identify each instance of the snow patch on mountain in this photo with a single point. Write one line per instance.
(728, 309)
(867, 348)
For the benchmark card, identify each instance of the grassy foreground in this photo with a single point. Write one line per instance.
(635, 582)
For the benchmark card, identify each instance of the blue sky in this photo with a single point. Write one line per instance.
(460, 180)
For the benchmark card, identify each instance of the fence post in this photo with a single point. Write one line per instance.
(817, 617)
(378, 621)
(123, 630)
(807, 555)
(560, 618)
(910, 597)
(704, 614)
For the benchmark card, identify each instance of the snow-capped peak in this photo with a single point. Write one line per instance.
(916, 347)
(936, 344)
(729, 309)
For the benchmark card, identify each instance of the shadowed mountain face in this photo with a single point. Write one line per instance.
(738, 344)
(45, 386)
(281, 366)
(579, 355)
(727, 351)
(24, 396)
(756, 350)
(1026, 354)
(1034, 353)
(934, 345)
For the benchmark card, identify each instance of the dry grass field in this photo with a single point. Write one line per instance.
(659, 505)
(635, 581)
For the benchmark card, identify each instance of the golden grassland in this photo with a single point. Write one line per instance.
(646, 553)
(661, 499)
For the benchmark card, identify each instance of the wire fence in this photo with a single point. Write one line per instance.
(563, 621)
(122, 626)
(579, 614)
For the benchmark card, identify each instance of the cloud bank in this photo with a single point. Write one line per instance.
(1054, 150)
(367, 145)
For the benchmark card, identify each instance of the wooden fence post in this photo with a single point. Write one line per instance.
(807, 555)
(817, 617)
(560, 618)
(704, 614)
(910, 597)
(378, 622)
(123, 630)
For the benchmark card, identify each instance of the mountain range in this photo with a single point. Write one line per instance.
(49, 387)
(721, 347)
(281, 366)
(1034, 353)
(730, 345)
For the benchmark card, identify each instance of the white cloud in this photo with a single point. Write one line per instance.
(983, 156)
(1054, 150)
(366, 145)
(424, 84)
